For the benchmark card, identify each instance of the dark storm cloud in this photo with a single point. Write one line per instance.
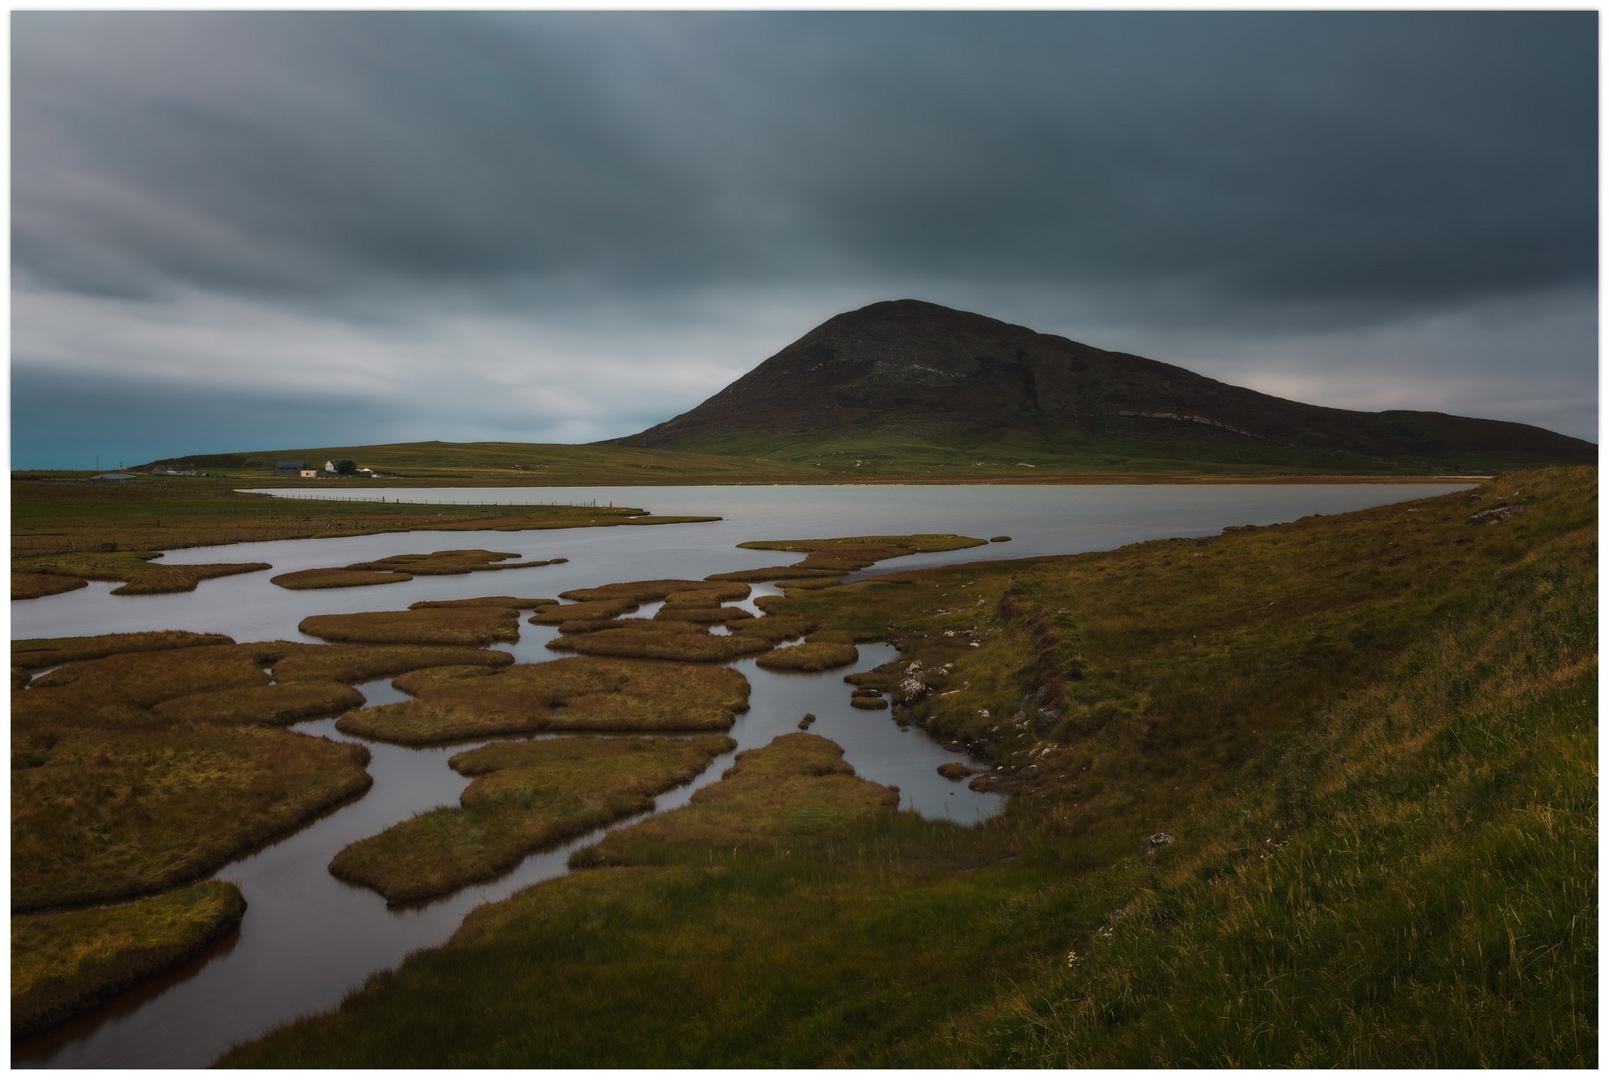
(1368, 159)
(640, 206)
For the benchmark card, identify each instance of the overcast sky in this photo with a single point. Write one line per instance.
(241, 231)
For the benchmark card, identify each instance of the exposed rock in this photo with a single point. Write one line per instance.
(1046, 720)
(953, 770)
(1160, 839)
(1494, 515)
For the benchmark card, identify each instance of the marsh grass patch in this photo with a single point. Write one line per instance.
(336, 578)
(685, 642)
(67, 961)
(280, 704)
(359, 663)
(593, 609)
(809, 656)
(48, 652)
(455, 561)
(426, 626)
(110, 814)
(519, 603)
(644, 592)
(525, 796)
(572, 694)
(30, 586)
(137, 570)
(796, 789)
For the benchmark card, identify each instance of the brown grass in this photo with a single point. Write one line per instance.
(427, 626)
(135, 568)
(771, 573)
(281, 704)
(706, 615)
(519, 603)
(145, 678)
(526, 796)
(647, 591)
(349, 663)
(455, 561)
(111, 814)
(575, 694)
(334, 578)
(811, 656)
(665, 641)
(29, 586)
(774, 629)
(63, 962)
(595, 609)
(858, 552)
(788, 584)
(796, 790)
(48, 652)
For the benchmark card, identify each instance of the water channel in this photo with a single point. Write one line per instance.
(308, 939)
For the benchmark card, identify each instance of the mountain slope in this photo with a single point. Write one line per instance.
(907, 373)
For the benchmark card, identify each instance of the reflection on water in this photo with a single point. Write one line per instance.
(307, 939)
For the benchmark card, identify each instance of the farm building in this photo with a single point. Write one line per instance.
(292, 469)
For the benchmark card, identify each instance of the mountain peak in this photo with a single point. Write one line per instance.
(913, 370)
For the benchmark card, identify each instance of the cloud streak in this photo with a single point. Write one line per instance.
(484, 211)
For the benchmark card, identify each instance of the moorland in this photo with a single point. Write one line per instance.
(1314, 794)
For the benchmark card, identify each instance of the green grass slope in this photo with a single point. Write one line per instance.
(1371, 738)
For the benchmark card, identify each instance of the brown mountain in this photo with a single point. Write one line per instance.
(907, 373)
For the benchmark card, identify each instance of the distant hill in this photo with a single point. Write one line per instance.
(916, 381)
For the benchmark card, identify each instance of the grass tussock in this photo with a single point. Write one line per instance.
(109, 814)
(644, 592)
(136, 569)
(772, 573)
(810, 656)
(48, 652)
(574, 694)
(1373, 738)
(680, 641)
(858, 552)
(67, 961)
(593, 609)
(336, 578)
(798, 789)
(349, 664)
(708, 616)
(30, 586)
(518, 603)
(525, 796)
(280, 704)
(143, 679)
(426, 626)
(456, 561)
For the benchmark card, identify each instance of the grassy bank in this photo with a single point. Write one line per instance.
(1320, 794)
(64, 962)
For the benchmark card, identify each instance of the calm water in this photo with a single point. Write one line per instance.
(307, 939)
